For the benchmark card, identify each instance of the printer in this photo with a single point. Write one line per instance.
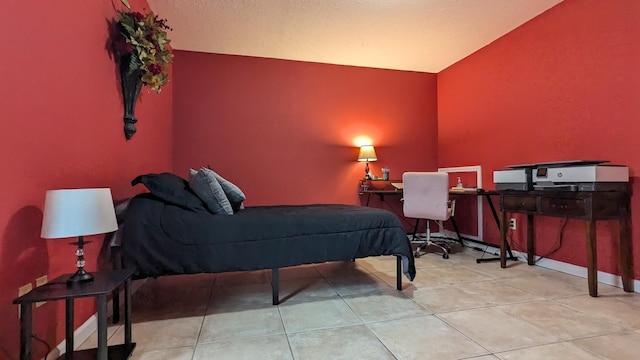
(575, 175)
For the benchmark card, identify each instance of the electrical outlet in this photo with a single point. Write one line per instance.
(512, 223)
(21, 291)
(39, 282)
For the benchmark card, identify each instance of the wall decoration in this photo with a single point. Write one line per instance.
(142, 51)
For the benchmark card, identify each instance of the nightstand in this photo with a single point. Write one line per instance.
(102, 285)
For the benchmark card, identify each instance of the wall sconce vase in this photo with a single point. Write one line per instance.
(131, 84)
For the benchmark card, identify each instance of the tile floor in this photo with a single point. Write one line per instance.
(455, 309)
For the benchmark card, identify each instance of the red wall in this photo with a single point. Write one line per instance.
(284, 130)
(61, 127)
(563, 86)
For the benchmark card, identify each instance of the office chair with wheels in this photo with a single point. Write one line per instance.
(426, 196)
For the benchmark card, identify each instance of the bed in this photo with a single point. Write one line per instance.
(160, 237)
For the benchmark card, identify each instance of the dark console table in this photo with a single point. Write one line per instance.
(586, 205)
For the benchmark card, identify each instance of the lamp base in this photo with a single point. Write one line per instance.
(80, 277)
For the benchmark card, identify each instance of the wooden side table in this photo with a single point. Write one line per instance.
(589, 206)
(103, 284)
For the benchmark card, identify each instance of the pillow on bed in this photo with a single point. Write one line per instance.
(209, 190)
(172, 189)
(234, 194)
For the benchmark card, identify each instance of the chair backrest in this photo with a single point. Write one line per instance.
(426, 195)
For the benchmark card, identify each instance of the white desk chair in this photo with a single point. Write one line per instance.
(426, 196)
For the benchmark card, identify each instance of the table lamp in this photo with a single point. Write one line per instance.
(78, 212)
(367, 153)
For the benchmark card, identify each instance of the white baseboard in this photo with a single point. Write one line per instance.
(84, 331)
(581, 271)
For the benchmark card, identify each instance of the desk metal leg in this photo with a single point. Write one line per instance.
(68, 319)
(26, 317)
(626, 260)
(508, 248)
(592, 260)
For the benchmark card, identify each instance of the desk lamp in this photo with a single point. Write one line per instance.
(78, 212)
(367, 153)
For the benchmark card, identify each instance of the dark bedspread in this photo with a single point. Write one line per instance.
(162, 239)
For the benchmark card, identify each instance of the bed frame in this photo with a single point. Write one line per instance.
(116, 260)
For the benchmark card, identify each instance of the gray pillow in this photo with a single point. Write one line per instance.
(208, 189)
(234, 194)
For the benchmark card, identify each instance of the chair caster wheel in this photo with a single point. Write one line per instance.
(416, 254)
(445, 256)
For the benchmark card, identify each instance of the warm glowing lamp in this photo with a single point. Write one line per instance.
(78, 212)
(367, 153)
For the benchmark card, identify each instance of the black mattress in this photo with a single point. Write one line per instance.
(159, 238)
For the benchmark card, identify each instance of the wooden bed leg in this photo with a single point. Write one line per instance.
(399, 273)
(275, 280)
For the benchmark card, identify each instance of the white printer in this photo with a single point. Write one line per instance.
(575, 175)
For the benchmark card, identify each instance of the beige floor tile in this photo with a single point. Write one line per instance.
(496, 330)
(179, 353)
(243, 277)
(439, 299)
(451, 274)
(357, 282)
(391, 279)
(316, 314)
(92, 341)
(382, 305)
(496, 292)
(240, 321)
(298, 272)
(340, 268)
(379, 263)
(274, 347)
(563, 321)
(163, 334)
(425, 337)
(621, 346)
(513, 269)
(550, 287)
(259, 293)
(172, 297)
(483, 357)
(621, 308)
(558, 351)
(353, 342)
(307, 288)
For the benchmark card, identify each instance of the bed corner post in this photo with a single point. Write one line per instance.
(275, 280)
(399, 272)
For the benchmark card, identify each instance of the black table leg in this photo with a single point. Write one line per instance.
(275, 280)
(25, 330)
(399, 273)
(68, 316)
(102, 327)
(127, 311)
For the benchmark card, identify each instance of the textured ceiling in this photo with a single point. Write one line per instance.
(418, 35)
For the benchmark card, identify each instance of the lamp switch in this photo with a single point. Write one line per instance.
(39, 282)
(24, 289)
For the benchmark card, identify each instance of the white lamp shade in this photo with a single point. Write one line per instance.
(78, 212)
(367, 153)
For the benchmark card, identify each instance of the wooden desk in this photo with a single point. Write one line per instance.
(586, 205)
